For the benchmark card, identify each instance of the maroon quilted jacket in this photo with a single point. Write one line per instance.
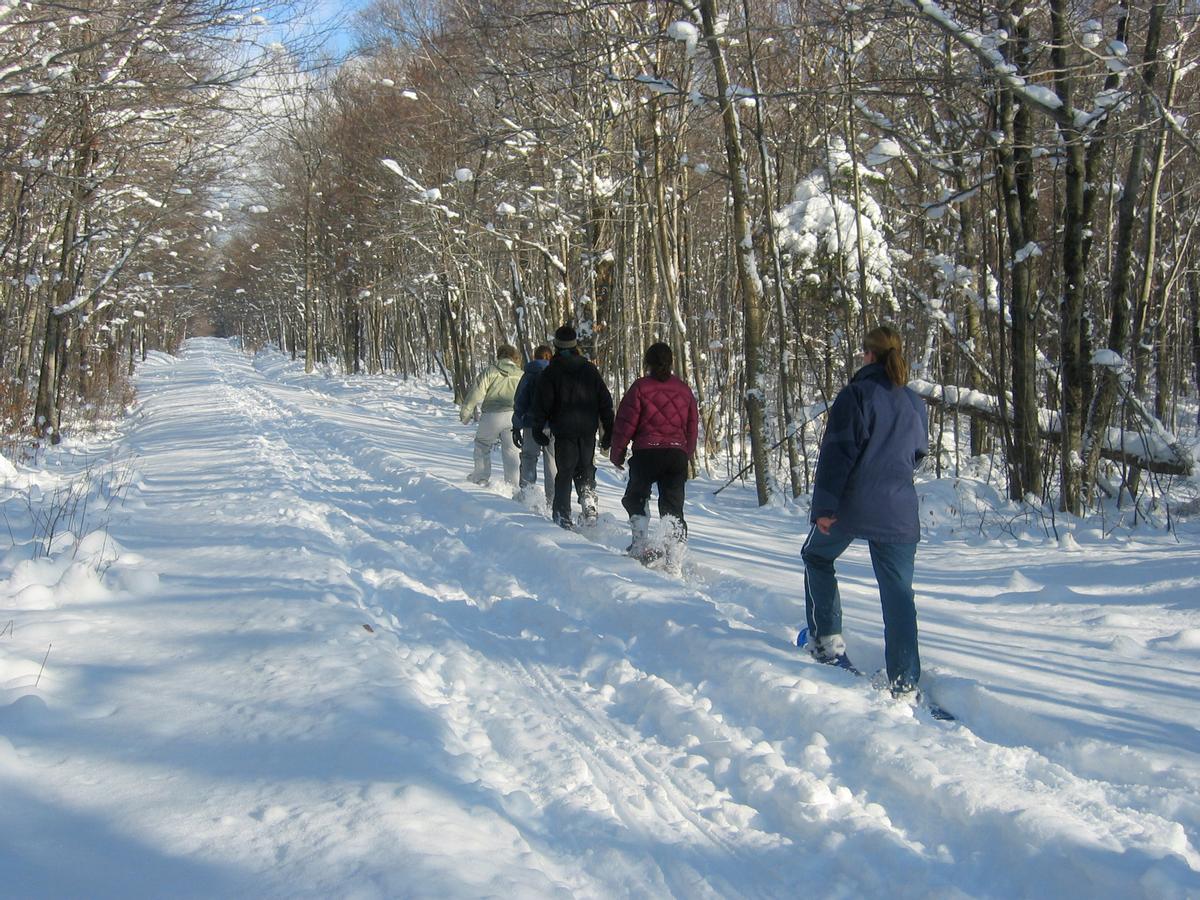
(655, 413)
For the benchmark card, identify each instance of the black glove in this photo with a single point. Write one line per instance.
(517, 437)
(605, 440)
(541, 437)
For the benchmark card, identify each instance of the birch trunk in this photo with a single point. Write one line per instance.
(747, 267)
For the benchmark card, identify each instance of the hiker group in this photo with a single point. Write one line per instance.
(556, 408)
(551, 412)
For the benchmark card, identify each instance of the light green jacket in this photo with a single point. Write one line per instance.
(494, 390)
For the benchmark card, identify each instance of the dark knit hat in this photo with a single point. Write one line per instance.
(565, 338)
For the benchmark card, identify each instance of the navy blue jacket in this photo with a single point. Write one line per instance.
(523, 399)
(877, 433)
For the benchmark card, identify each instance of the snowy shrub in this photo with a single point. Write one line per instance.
(820, 231)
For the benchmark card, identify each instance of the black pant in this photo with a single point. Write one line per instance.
(665, 466)
(575, 458)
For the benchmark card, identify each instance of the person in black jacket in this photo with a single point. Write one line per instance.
(574, 401)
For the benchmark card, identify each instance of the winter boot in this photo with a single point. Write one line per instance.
(591, 508)
(639, 526)
(906, 693)
(829, 649)
(676, 545)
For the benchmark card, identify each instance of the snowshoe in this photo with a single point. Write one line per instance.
(908, 693)
(646, 555)
(832, 653)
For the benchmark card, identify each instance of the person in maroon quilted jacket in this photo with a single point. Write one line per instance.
(657, 417)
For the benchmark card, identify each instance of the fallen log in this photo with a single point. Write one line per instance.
(1152, 450)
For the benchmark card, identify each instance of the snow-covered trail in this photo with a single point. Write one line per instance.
(357, 675)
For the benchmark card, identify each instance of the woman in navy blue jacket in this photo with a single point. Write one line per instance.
(876, 435)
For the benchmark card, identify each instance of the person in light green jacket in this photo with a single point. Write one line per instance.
(492, 395)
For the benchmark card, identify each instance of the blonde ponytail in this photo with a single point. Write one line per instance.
(884, 342)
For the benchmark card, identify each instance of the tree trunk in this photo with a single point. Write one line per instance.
(1020, 209)
(310, 311)
(968, 235)
(1105, 399)
(747, 267)
(46, 412)
(1071, 322)
(1193, 283)
(795, 471)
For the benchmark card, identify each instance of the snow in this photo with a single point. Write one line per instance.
(1090, 34)
(1108, 358)
(1030, 249)
(1150, 441)
(986, 50)
(604, 186)
(656, 84)
(302, 657)
(1044, 95)
(686, 33)
(819, 225)
(884, 152)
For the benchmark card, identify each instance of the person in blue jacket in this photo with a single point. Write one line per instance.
(522, 427)
(876, 435)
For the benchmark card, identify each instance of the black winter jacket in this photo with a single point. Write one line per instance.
(572, 397)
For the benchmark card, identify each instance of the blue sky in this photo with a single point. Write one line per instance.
(324, 14)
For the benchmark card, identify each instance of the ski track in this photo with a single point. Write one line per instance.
(538, 700)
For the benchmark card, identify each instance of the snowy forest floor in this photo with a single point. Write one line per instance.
(292, 652)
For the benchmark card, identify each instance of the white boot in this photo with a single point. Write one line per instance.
(827, 649)
(676, 545)
(640, 528)
(591, 506)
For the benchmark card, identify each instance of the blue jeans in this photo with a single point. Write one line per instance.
(893, 565)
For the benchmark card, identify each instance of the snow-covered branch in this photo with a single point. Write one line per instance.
(993, 61)
(79, 302)
(1154, 450)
